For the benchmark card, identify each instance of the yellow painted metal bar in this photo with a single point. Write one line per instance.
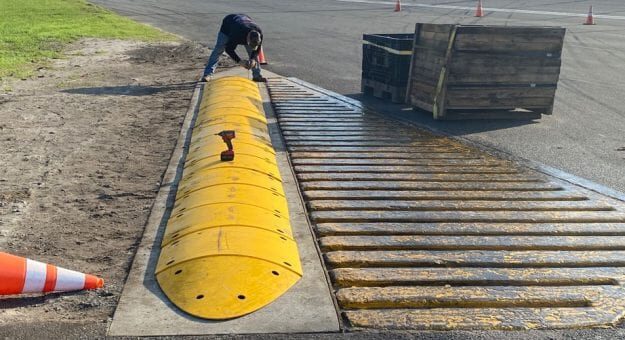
(228, 247)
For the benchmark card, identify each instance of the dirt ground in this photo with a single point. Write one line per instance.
(83, 146)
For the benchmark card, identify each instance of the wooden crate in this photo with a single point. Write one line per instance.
(485, 72)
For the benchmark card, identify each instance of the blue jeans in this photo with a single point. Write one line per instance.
(220, 47)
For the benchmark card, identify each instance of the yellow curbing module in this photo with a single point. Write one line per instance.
(228, 248)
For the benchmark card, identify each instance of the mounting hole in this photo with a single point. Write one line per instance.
(175, 242)
(241, 297)
(175, 235)
(199, 297)
(277, 215)
(280, 231)
(275, 273)
(277, 211)
(284, 238)
(288, 264)
(179, 215)
(170, 262)
(178, 272)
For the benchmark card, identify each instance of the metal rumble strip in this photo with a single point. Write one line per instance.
(421, 232)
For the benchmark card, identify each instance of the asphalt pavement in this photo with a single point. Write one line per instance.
(320, 42)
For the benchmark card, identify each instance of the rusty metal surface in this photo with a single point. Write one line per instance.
(421, 232)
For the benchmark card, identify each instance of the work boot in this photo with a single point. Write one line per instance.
(259, 79)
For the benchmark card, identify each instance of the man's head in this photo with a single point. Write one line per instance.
(253, 39)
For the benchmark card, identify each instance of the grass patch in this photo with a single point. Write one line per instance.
(32, 31)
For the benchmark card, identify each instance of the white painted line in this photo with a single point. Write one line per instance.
(503, 10)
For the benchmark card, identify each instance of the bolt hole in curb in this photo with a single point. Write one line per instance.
(241, 297)
(199, 297)
(275, 273)
(178, 272)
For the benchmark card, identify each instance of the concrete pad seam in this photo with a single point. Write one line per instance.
(279, 138)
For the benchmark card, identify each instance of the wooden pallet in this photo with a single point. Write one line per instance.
(485, 72)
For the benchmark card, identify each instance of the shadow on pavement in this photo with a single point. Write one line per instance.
(130, 90)
(424, 118)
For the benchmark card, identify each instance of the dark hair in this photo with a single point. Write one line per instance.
(254, 38)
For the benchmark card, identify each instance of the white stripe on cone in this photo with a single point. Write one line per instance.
(35, 276)
(67, 280)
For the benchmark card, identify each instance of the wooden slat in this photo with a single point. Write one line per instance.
(369, 155)
(364, 134)
(383, 143)
(444, 195)
(304, 112)
(429, 186)
(439, 149)
(342, 139)
(322, 176)
(399, 162)
(481, 205)
(430, 242)
(406, 169)
(464, 297)
(467, 216)
(320, 116)
(469, 60)
(475, 258)
(562, 229)
(444, 319)
(348, 277)
(312, 120)
(456, 79)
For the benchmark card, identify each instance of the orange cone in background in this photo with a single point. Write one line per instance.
(398, 6)
(261, 57)
(20, 275)
(589, 19)
(479, 11)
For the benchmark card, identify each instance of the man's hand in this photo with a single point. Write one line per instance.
(248, 64)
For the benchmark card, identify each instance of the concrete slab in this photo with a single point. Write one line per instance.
(143, 309)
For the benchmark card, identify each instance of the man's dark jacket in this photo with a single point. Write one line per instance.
(236, 27)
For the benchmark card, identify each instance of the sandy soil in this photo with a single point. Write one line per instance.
(83, 146)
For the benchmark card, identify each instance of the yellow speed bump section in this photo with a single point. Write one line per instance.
(228, 247)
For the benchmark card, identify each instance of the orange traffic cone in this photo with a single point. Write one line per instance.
(20, 275)
(398, 6)
(479, 11)
(589, 19)
(261, 57)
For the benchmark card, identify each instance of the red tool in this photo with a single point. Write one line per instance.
(227, 136)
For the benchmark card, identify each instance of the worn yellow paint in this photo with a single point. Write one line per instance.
(250, 148)
(229, 114)
(228, 247)
(256, 122)
(255, 163)
(223, 215)
(222, 176)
